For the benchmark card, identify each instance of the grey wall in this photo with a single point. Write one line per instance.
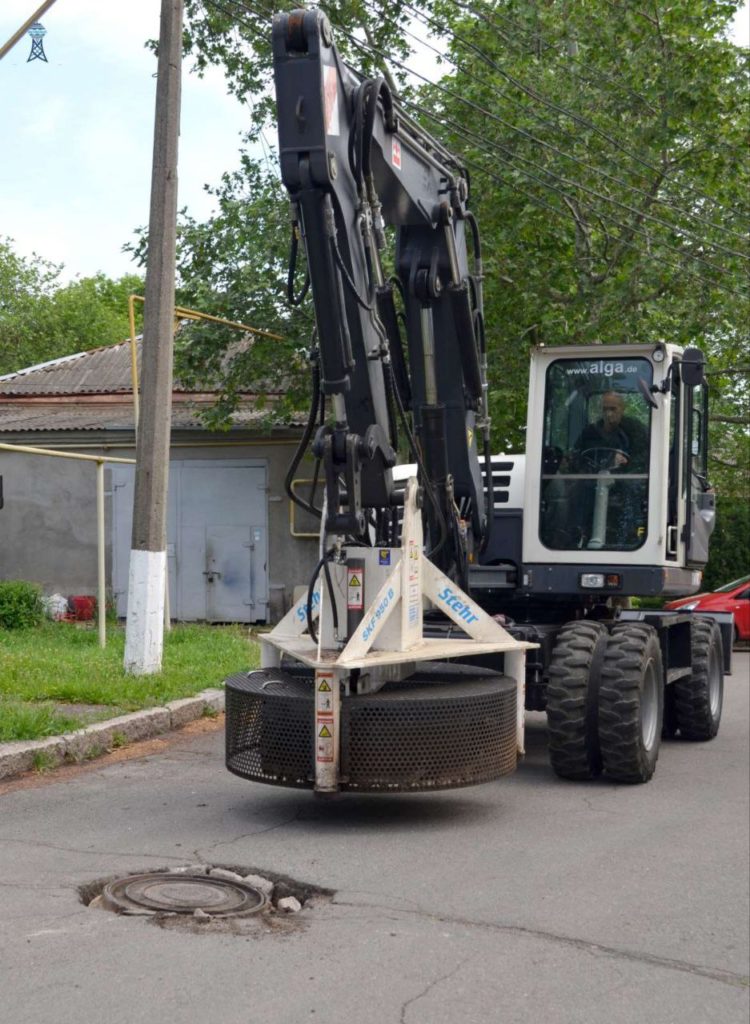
(48, 523)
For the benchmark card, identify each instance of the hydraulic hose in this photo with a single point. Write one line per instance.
(315, 401)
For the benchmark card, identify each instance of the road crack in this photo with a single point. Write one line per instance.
(428, 988)
(247, 835)
(572, 942)
(91, 852)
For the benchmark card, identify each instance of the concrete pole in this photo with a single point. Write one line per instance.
(101, 586)
(144, 634)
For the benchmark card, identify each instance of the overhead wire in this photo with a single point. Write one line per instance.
(631, 229)
(486, 18)
(615, 80)
(431, 23)
(472, 137)
(528, 135)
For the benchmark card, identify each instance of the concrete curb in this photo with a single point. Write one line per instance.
(84, 744)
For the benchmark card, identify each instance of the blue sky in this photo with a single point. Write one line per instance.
(76, 134)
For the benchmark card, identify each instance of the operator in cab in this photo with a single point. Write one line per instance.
(614, 441)
(600, 499)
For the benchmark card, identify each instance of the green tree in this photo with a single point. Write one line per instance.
(235, 266)
(42, 318)
(606, 147)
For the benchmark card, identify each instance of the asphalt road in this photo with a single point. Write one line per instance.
(524, 900)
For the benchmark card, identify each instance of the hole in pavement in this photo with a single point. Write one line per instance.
(205, 896)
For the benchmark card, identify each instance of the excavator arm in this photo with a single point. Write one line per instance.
(354, 166)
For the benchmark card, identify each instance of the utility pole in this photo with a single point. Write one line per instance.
(144, 635)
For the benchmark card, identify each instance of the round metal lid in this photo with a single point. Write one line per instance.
(163, 892)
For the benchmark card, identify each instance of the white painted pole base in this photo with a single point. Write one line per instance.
(144, 630)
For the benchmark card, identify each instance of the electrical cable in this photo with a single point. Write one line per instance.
(634, 156)
(496, 151)
(322, 564)
(426, 482)
(532, 138)
(295, 300)
(627, 228)
(305, 439)
(429, 22)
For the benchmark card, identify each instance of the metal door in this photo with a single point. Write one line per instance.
(217, 539)
(230, 573)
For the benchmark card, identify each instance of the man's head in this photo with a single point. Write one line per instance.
(613, 407)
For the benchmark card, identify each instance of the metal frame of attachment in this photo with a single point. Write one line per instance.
(389, 635)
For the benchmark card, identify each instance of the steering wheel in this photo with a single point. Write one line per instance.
(552, 456)
(597, 459)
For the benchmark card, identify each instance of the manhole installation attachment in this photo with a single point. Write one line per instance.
(163, 892)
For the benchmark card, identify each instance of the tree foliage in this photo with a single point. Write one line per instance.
(606, 144)
(41, 318)
(730, 543)
(234, 266)
(610, 175)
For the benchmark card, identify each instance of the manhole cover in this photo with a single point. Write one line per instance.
(164, 893)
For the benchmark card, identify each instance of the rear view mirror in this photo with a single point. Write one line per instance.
(693, 363)
(646, 392)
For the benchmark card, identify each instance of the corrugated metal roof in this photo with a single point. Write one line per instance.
(99, 371)
(18, 417)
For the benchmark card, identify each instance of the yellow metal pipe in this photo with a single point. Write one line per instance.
(28, 450)
(100, 460)
(101, 575)
(190, 314)
(193, 314)
(271, 443)
(181, 313)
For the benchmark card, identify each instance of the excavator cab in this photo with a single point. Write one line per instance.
(616, 494)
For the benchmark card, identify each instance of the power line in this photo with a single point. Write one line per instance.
(616, 80)
(430, 23)
(496, 151)
(481, 14)
(495, 117)
(631, 229)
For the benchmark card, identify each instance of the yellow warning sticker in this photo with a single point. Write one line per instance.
(326, 733)
(355, 597)
(324, 686)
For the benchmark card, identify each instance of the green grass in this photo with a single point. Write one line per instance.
(59, 663)
(23, 721)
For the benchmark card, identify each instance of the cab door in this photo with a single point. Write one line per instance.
(700, 497)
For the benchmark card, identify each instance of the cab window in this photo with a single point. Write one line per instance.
(595, 456)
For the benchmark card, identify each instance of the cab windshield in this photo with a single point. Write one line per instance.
(595, 457)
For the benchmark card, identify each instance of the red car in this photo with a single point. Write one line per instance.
(733, 597)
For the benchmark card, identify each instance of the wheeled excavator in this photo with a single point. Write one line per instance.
(455, 589)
